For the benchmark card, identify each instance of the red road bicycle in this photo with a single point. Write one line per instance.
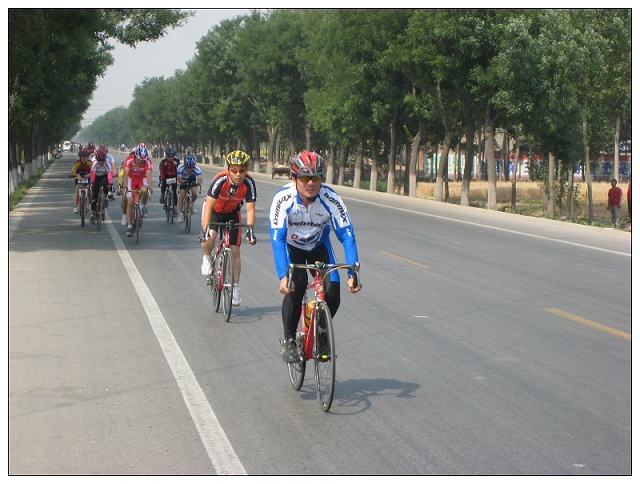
(137, 215)
(314, 338)
(221, 277)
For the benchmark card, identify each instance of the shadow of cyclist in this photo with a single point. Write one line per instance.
(356, 396)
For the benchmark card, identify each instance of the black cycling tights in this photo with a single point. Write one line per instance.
(291, 304)
(95, 188)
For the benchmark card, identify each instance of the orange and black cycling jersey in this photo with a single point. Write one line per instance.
(230, 197)
(80, 168)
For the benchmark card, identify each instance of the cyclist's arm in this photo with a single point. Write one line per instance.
(251, 220)
(278, 237)
(207, 210)
(251, 213)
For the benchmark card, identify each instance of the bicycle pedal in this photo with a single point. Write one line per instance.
(208, 281)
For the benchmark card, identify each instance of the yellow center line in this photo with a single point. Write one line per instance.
(405, 260)
(591, 324)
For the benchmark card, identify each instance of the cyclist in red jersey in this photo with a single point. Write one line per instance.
(167, 169)
(137, 175)
(228, 191)
(80, 170)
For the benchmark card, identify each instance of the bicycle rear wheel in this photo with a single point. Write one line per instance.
(298, 368)
(325, 356)
(227, 283)
(99, 211)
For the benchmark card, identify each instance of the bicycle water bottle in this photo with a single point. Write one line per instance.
(308, 314)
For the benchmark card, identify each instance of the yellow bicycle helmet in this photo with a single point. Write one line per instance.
(237, 158)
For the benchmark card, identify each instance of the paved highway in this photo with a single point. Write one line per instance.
(481, 344)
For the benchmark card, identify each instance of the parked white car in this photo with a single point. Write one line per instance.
(66, 146)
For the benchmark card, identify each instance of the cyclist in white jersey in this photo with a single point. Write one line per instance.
(301, 218)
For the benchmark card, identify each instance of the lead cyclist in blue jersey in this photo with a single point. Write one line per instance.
(301, 217)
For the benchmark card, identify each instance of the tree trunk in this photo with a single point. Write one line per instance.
(331, 161)
(550, 205)
(516, 163)
(616, 150)
(489, 156)
(307, 136)
(292, 141)
(357, 169)
(468, 158)
(344, 156)
(443, 168)
(570, 194)
(587, 162)
(373, 176)
(272, 132)
(393, 146)
(255, 151)
(505, 155)
(413, 160)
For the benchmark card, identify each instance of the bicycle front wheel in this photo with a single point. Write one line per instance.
(187, 214)
(227, 283)
(325, 356)
(170, 209)
(216, 283)
(167, 209)
(83, 204)
(137, 221)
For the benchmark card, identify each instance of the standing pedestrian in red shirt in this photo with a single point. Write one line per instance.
(614, 202)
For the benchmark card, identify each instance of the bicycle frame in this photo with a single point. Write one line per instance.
(137, 212)
(187, 204)
(83, 200)
(222, 276)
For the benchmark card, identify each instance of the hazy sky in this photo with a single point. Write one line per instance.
(152, 59)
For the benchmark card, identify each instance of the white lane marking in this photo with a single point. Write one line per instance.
(222, 455)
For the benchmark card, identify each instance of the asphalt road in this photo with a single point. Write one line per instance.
(481, 344)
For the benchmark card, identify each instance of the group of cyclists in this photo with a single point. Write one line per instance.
(301, 217)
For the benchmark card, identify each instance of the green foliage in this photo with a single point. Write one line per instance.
(56, 57)
(340, 76)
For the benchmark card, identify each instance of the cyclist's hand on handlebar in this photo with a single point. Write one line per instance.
(204, 235)
(283, 285)
(353, 287)
(251, 237)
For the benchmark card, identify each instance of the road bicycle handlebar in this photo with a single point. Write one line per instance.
(84, 181)
(231, 224)
(325, 269)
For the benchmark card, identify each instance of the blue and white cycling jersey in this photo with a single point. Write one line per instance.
(290, 222)
(188, 175)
